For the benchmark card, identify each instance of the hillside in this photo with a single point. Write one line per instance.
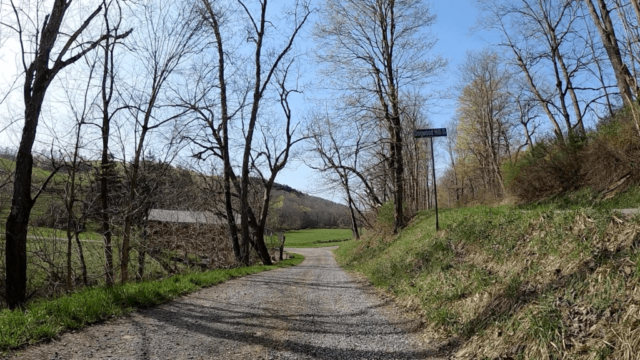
(553, 280)
(302, 211)
(179, 189)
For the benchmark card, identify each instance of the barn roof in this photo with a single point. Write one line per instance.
(186, 217)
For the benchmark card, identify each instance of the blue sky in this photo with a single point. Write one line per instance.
(455, 19)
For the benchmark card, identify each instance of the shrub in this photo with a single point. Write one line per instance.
(385, 214)
(606, 161)
(612, 155)
(55, 217)
(548, 168)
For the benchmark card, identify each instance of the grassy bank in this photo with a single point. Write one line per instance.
(548, 281)
(311, 238)
(46, 319)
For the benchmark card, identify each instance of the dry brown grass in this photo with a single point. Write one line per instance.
(594, 298)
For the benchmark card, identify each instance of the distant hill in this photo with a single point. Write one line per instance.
(301, 211)
(178, 189)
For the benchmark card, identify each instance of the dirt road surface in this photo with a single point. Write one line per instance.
(311, 311)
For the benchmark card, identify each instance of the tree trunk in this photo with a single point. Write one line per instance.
(142, 254)
(16, 232)
(224, 143)
(261, 248)
(282, 239)
(105, 165)
(126, 235)
(106, 168)
(21, 203)
(354, 222)
(605, 28)
(83, 264)
(69, 249)
(398, 178)
(387, 28)
(105, 172)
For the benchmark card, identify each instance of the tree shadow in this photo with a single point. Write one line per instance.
(223, 323)
(312, 327)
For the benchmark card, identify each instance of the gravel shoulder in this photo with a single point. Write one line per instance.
(311, 311)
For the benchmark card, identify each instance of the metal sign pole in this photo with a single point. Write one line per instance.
(431, 133)
(435, 188)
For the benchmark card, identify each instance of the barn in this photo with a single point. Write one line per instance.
(191, 237)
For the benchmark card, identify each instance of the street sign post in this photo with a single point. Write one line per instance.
(431, 133)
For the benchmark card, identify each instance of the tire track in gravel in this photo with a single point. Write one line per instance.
(311, 311)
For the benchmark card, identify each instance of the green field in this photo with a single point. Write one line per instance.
(46, 256)
(311, 238)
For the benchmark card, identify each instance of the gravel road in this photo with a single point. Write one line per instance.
(311, 311)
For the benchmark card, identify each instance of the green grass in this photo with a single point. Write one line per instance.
(45, 319)
(316, 237)
(7, 165)
(38, 174)
(53, 195)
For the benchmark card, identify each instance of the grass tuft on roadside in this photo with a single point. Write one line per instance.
(46, 319)
(547, 281)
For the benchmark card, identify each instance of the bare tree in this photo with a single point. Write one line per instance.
(44, 55)
(527, 111)
(452, 181)
(418, 155)
(72, 163)
(378, 48)
(217, 119)
(274, 153)
(604, 24)
(544, 38)
(485, 111)
(623, 51)
(166, 37)
(107, 113)
(337, 148)
(599, 68)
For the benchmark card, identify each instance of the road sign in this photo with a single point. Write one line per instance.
(422, 133)
(431, 133)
